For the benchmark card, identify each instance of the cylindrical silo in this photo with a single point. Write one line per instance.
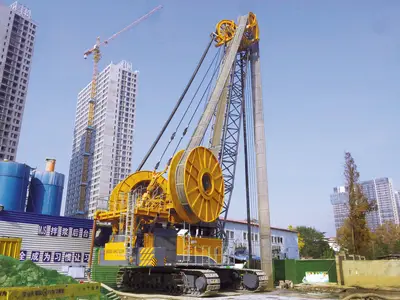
(45, 191)
(14, 180)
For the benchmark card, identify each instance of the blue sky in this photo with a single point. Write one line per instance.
(330, 72)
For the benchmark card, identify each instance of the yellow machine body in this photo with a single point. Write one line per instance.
(114, 251)
(200, 247)
(185, 246)
(204, 194)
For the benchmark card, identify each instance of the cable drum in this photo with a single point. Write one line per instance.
(200, 192)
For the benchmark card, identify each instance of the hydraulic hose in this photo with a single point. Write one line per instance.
(176, 106)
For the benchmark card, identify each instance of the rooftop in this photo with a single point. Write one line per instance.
(21, 10)
(254, 223)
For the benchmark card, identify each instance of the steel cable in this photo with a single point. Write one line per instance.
(186, 110)
(250, 117)
(176, 106)
(197, 107)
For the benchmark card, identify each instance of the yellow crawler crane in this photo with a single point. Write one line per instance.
(165, 234)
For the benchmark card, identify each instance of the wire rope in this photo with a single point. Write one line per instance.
(194, 113)
(250, 142)
(176, 106)
(186, 111)
(250, 116)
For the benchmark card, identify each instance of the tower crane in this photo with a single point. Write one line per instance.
(164, 224)
(95, 51)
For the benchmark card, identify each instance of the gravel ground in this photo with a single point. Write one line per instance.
(277, 294)
(280, 294)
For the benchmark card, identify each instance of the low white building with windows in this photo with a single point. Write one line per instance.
(284, 241)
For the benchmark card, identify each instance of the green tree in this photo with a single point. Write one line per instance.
(354, 235)
(300, 241)
(386, 239)
(315, 243)
(328, 254)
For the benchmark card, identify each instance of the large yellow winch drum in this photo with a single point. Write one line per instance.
(199, 195)
(119, 196)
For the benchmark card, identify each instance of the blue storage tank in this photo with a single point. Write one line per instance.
(45, 191)
(14, 180)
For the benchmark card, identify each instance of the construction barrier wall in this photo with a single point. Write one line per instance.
(90, 291)
(295, 270)
(52, 242)
(368, 273)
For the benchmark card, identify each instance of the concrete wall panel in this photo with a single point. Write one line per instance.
(371, 273)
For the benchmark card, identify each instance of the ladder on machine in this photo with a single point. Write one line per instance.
(129, 227)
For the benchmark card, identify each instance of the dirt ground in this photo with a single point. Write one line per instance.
(300, 292)
(276, 294)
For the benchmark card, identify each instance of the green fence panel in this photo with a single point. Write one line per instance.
(104, 274)
(295, 270)
(284, 270)
(316, 265)
(290, 269)
(278, 267)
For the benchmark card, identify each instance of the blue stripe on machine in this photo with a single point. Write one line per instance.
(31, 218)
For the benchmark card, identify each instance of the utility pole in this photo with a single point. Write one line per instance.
(261, 165)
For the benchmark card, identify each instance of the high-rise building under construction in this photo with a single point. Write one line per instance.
(111, 142)
(17, 37)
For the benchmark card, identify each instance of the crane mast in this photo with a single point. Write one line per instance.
(205, 119)
(95, 51)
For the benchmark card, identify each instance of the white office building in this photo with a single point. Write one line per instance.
(379, 190)
(397, 197)
(284, 242)
(112, 140)
(339, 201)
(17, 37)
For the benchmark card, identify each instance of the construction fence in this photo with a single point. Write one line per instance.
(308, 270)
(355, 271)
(87, 291)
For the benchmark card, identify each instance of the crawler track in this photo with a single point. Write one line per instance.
(200, 282)
(195, 282)
(169, 280)
(241, 279)
(254, 280)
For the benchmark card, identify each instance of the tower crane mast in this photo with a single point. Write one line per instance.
(95, 51)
